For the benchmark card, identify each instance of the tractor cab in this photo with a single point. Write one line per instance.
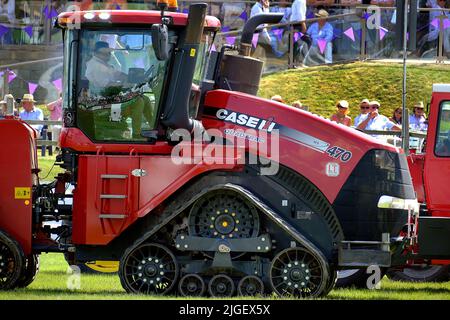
(120, 66)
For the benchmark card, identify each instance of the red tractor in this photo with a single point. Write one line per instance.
(187, 178)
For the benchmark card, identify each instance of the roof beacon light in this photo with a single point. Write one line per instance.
(162, 4)
(173, 5)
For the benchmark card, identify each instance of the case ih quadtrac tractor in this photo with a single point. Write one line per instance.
(272, 199)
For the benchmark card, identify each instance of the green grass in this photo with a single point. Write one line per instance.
(321, 87)
(46, 164)
(51, 283)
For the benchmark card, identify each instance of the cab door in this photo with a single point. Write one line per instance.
(437, 161)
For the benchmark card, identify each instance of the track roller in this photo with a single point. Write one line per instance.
(149, 268)
(296, 272)
(192, 285)
(250, 286)
(221, 285)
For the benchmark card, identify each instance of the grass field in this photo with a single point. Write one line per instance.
(51, 283)
(321, 87)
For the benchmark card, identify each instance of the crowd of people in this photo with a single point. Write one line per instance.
(369, 117)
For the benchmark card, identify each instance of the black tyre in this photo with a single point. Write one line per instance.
(12, 261)
(29, 272)
(356, 278)
(421, 274)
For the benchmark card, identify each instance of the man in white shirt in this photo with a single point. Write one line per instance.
(364, 107)
(99, 73)
(376, 121)
(298, 13)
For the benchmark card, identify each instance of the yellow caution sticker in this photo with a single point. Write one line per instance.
(193, 52)
(22, 193)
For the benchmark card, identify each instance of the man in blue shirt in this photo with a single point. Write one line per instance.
(418, 121)
(30, 112)
(320, 31)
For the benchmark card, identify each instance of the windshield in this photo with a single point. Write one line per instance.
(120, 84)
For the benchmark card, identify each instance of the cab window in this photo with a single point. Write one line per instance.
(442, 147)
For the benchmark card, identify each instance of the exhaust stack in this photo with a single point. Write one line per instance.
(242, 72)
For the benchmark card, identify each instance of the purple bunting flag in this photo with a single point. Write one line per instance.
(278, 33)
(255, 39)
(32, 87)
(310, 15)
(435, 23)
(366, 16)
(11, 76)
(58, 84)
(186, 11)
(383, 32)
(46, 12)
(213, 48)
(225, 29)
(297, 36)
(350, 34)
(243, 15)
(3, 30)
(53, 14)
(230, 40)
(322, 43)
(29, 30)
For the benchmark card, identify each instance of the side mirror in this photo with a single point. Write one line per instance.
(160, 41)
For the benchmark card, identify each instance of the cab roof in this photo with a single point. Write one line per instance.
(136, 17)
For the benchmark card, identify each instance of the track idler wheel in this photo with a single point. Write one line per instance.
(192, 285)
(12, 262)
(149, 268)
(250, 286)
(296, 272)
(221, 286)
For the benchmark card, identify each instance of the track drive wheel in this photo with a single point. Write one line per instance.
(149, 268)
(192, 285)
(11, 262)
(30, 271)
(221, 285)
(250, 286)
(296, 272)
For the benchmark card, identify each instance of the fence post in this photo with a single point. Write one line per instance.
(440, 53)
(362, 53)
(291, 47)
(5, 87)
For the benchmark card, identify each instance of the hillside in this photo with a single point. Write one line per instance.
(321, 87)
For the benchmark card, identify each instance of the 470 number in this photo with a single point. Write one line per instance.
(339, 153)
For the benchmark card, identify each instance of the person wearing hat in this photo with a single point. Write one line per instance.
(376, 121)
(418, 121)
(364, 106)
(30, 112)
(99, 72)
(341, 116)
(277, 98)
(320, 31)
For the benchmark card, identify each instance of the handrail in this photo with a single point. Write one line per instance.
(25, 63)
(413, 134)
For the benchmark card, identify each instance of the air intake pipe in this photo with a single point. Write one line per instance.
(176, 109)
(250, 27)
